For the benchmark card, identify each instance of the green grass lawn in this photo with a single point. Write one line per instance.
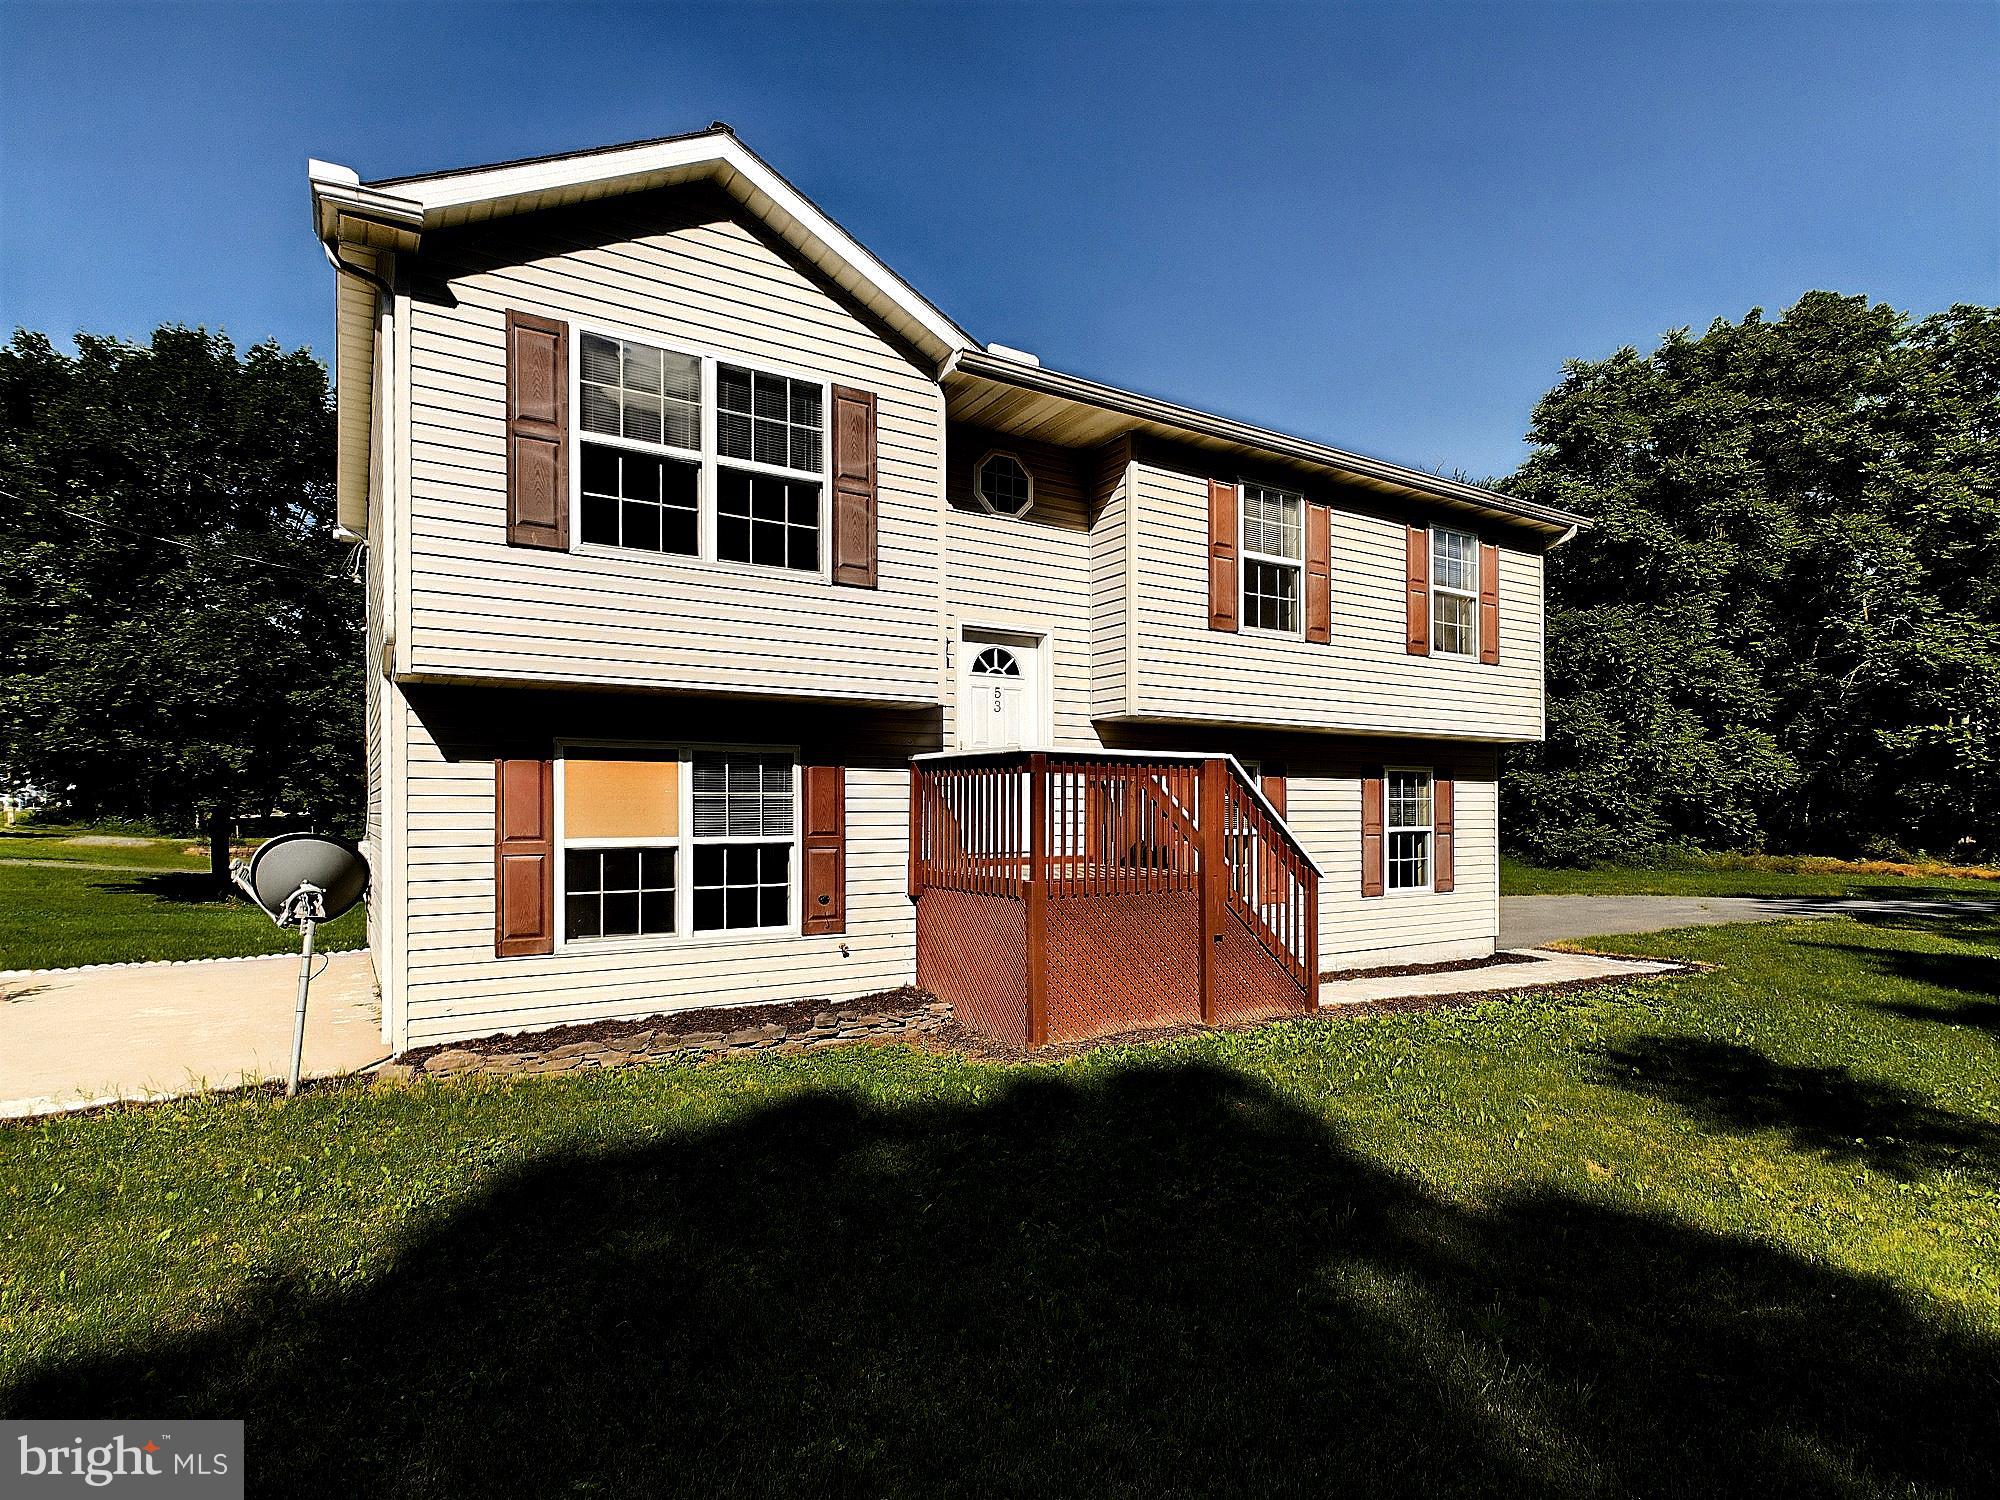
(57, 915)
(1723, 875)
(1733, 1233)
(100, 846)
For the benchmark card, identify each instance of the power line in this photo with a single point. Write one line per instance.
(89, 520)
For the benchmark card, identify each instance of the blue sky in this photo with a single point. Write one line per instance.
(1384, 226)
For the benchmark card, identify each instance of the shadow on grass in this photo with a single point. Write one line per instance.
(1969, 923)
(1976, 975)
(1973, 974)
(1980, 1015)
(1827, 1111)
(1158, 1281)
(176, 888)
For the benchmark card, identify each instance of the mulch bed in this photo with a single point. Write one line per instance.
(699, 1020)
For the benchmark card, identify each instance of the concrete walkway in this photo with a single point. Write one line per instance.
(1543, 966)
(71, 1037)
(1530, 921)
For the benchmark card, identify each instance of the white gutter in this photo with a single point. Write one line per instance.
(985, 366)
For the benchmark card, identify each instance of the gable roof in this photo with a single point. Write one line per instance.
(408, 207)
(358, 222)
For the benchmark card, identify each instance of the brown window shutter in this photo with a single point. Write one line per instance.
(825, 874)
(1417, 581)
(524, 857)
(537, 432)
(854, 487)
(1319, 573)
(1489, 602)
(1443, 875)
(1371, 835)
(1224, 586)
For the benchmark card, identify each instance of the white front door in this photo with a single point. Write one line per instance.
(998, 695)
(995, 703)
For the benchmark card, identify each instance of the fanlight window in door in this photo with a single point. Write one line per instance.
(996, 661)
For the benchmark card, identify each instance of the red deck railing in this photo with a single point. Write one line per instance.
(1177, 854)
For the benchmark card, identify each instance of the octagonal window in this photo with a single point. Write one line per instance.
(1003, 485)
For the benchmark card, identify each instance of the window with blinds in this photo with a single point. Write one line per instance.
(745, 818)
(1454, 593)
(1409, 827)
(1273, 550)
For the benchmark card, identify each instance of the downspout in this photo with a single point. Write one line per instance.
(333, 259)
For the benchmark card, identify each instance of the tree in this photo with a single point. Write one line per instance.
(179, 639)
(1785, 625)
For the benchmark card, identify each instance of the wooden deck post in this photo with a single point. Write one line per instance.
(1038, 899)
(916, 831)
(1214, 882)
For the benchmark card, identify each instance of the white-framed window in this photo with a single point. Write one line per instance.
(697, 455)
(659, 842)
(1002, 483)
(745, 831)
(769, 438)
(1409, 828)
(1454, 593)
(1273, 553)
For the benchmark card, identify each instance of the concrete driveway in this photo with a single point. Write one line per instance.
(1530, 921)
(70, 1037)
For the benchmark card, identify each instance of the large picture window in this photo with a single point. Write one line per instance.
(1454, 593)
(1410, 827)
(1274, 536)
(695, 457)
(665, 841)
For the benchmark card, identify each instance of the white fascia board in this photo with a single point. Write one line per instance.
(979, 364)
(346, 211)
(450, 197)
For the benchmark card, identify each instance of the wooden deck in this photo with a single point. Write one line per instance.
(1064, 896)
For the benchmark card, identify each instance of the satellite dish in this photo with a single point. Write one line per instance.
(281, 867)
(302, 879)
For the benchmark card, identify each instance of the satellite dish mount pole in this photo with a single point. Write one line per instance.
(306, 907)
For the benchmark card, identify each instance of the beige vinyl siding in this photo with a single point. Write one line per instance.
(1365, 681)
(455, 986)
(1323, 775)
(1029, 574)
(1359, 932)
(682, 269)
(1110, 565)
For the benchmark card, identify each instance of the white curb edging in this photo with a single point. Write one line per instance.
(171, 963)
